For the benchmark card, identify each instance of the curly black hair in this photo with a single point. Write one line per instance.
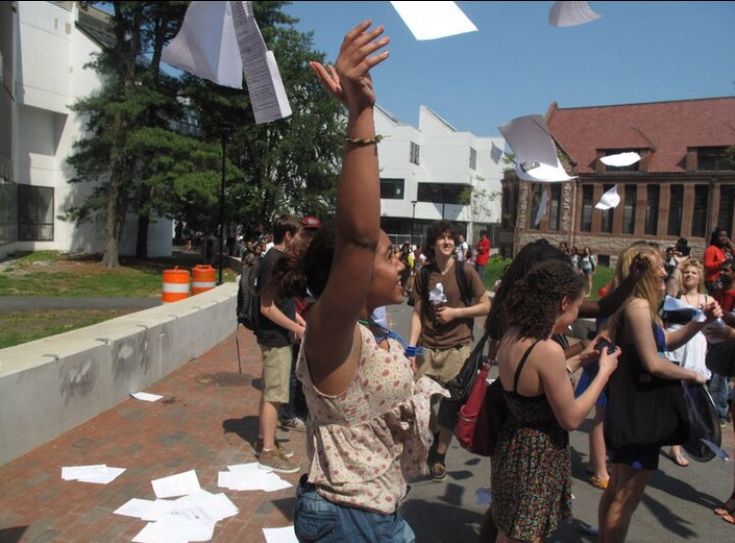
(531, 255)
(436, 229)
(533, 302)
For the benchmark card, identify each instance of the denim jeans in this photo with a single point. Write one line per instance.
(719, 390)
(318, 519)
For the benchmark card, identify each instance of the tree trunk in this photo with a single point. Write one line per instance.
(141, 246)
(110, 258)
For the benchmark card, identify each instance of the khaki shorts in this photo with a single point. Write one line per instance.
(442, 365)
(276, 373)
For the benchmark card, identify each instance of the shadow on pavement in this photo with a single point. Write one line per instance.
(429, 521)
(12, 535)
(246, 428)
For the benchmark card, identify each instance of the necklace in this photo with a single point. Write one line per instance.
(385, 334)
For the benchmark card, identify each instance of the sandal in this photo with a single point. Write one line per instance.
(599, 482)
(726, 513)
(678, 459)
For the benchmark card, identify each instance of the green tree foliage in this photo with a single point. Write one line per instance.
(287, 165)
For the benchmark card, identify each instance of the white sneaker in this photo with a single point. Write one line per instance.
(295, 424)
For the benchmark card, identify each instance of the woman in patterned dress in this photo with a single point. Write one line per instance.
(531, 468)
(368, 420)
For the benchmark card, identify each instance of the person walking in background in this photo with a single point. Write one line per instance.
(482, 254)
(448, 295)
(587, 265)
(720, 248)
(277, 324)
(462, 248)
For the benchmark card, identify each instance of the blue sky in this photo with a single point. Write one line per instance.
(516, 64)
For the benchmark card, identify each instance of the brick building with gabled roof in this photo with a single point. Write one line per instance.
(682, 187)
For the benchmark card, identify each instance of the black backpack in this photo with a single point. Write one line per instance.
(248, 301)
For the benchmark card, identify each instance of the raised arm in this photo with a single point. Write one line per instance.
(332, 342)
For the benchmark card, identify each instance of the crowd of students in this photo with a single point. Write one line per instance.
(378, 414)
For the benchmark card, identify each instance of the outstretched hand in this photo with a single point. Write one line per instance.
(349, 80)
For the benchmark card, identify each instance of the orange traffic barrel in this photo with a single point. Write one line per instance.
(175, 285)
(203, 278)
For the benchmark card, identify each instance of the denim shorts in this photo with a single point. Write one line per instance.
(318, 519)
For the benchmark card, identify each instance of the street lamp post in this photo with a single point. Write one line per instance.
(413, 219)
(224, 133)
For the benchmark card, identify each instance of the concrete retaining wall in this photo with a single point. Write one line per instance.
(53, 384)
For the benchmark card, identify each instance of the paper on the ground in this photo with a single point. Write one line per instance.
(436, 294)
(174, 530)
(542, 173)
(145, 509)
(496, 153)
(609, 200)
(250, 466)
(530, 140)
(97, 474)
(180, 484)
(571, 14)
(146, 396)
(432, 20)
(621, 159)
(280, 535)
(251, 480)
(265, 87)
(203, 507)
(543, 204)
(206, 45)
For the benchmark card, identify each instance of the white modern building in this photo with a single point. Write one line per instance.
(434, 172)
(44, 47)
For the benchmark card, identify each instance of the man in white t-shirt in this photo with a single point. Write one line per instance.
(462, 248)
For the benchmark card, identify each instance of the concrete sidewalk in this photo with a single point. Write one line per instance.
(208, 420)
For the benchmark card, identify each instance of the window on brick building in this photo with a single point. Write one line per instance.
(713, 158)
(533, 205)
(699, 217)
(606, 216)
(676, 202)
(554, 206)
(727, 207)
(631, 193)
(585, 224)
(652, 197)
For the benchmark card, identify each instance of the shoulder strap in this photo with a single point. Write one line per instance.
(521, 364)
(424, 284)
(462, 283)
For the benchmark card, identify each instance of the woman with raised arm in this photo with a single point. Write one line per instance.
(368, 425)
(645, 398)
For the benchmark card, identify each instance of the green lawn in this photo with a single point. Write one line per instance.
(47, 273)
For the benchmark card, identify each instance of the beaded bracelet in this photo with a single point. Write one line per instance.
(365, 141)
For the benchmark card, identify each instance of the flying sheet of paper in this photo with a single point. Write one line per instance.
(609, 200)
(542, 173)
(146, 396)
(571, 14)
(543, 204)
(98, 474)
(265, 87)
(496, 153)
(432, 20)
(621, 159)
(180, 484)
(174, 530)
(206, 45)
(530, 140)
(280, 535)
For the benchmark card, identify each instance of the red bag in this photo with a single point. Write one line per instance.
(471, 429)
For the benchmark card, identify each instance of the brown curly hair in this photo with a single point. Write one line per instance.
(533, 302)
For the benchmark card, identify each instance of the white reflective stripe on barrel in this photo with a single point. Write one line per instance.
(176, 287)
(200, 284)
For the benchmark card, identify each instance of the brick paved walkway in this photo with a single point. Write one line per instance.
(207, 421)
